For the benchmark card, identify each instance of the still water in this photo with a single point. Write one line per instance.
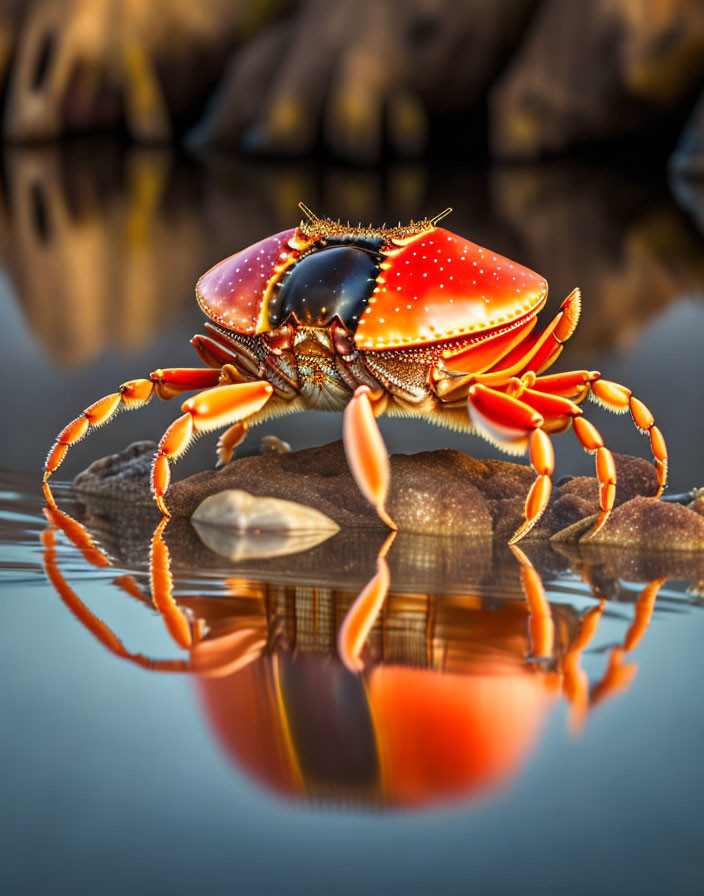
(492, 740)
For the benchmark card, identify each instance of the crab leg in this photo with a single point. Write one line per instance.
(555, 410)
(366, 453)
(209, 410)
(133, 394)
(228, 441)
(620, 399)
(615, 397)
(514, 426)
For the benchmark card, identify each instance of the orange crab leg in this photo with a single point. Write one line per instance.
(514, 425)
(538, 352)
(555, 410)
(133, 394)
(209, 410)
(620, 399)
(366, 453)
(615, 397)
(229, 440)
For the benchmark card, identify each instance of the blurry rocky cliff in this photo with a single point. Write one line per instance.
(362, 79)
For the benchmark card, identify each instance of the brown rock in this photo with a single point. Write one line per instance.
(436, 492)
(120, 477)
(643, 523)
(590, 72)
(432, 492)
(635, 476)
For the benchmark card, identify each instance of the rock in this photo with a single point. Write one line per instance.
(272, 444)
(635, 476)
(424, 497)
(644, 523)
(594, 72)
(697, 503)
(120, 477)
(434, 492)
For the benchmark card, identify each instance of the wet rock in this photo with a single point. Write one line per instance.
(424, 497)
(120, 477)
(644, 523)
(437, 493)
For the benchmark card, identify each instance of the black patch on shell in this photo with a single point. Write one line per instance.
(333, 280)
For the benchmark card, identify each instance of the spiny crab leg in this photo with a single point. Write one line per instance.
(210, 409)
(514, 425)
(366, 453)
(134, 394)
(576, 384)
(229, 440)
(620, 399)
(519, 420)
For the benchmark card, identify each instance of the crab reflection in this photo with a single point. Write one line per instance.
(430, 683)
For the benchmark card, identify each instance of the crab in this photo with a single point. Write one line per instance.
(413, 321)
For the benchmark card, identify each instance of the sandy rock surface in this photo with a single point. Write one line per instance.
(644, 523)
(434, 493)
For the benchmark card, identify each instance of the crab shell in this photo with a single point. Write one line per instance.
(392, 288)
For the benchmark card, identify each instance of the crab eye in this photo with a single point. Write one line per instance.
(337, 281)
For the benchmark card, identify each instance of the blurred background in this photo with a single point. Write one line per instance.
(144, 142)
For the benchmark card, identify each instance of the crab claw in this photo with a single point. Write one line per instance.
(366, 452)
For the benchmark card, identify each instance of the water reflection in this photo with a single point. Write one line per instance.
(464, 652)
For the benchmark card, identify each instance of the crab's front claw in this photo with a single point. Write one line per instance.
(366, 452)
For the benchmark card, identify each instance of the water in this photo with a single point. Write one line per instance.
(460, 758)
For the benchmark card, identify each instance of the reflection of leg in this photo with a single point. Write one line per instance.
(78, 535)
(162, 588)
(576, 683)
(363, 613)
(215, 656)
(540, 623)
(133, 394)
(366, 453)
(209, 410)
(620, 674)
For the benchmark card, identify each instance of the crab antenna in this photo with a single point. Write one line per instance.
(307, 212)
(439, 217)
